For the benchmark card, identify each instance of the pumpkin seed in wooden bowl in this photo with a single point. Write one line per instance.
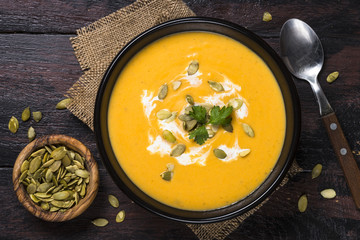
(56, 178)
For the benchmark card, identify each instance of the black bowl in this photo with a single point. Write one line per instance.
(257, 45)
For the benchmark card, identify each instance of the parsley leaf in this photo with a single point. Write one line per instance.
(220, 116)
(199, 135)
(199, 114)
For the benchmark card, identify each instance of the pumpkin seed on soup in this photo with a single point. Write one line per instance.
(228, 127)
(190, 99)
(219, 153)
(168, 136)
(163, 91)
(193, 67)
(163, 114)
(171, 118)
(176, 85)
(37, 116)
(167, 175)
(316, 171)
(248, 130)
(25, 114)
(113, 201)
(178, 150)
(217, 87)
(13, 124)
(236, 103)
(244, 153)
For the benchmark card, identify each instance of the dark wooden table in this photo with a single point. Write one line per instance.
(37, 66)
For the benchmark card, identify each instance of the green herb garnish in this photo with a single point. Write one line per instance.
(199, 114)
(220, 116)
(199, 135)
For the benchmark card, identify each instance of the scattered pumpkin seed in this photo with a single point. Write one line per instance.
(25, 114)
(170, 166)
(31, 134)
(244, 153)
(219, 153)
(176, 85)
(332, 77)
(163, 114)
(267, 17)
(37, 116)
(13, 124)
(120, 216)
(100, 222)
(185, 117)
(248, 130)
(228, 127)
(217, 87)
(178, 150)
(328, 193)
(168, 136)
(113, 201)
(190, 99)
(236, 103)
(302, 203)
(316, 171)
(193, 67)
(163, 91)
(63, 104)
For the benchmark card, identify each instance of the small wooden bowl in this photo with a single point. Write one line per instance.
(92, 186)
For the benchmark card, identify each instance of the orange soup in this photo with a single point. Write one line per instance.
(239, 127)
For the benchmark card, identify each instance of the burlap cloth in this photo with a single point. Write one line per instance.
(97, 44)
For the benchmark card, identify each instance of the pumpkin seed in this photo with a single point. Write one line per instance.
(31, 188)
(302, 203)
(100, 222)
(193, 67)
(190, 99)
(66, 161)
(39, 152)
(45, 206)
(328, 193)
(23, 175)
(31, 134)
(58, 153)
(83, 190)
(185, 117)
(316, 171)
(25, 114)
(332, 77)
(207, 106)
(187, 110)
(55, 166)
(168, 136)
(163, 114)
(219, 153)
(236, 103)
(176, 85)
(49, 150)
(215, 128)
(24, 166)
(228, 127)
(37, 116)
(113, 201)
(82, 173)
(189, 125)
(34, 199)
(248, 130)
(48, 163)
(244, 153)
(42, 195)
(120, 216)
(171, 118)
(167, 175)
(35, 164)
(211, 133)
(61, 195)
(72, 168)
(163, 91)
(44, 187)
(217, 87)
(13, 124)
(54, 209)
(178, 150)
(170, 166)
(267, 17)
(63, 104)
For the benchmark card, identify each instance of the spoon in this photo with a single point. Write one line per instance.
(302, 53)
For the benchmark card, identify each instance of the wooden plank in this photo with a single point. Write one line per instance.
(329, 18)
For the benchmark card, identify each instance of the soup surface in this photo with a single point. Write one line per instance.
(197, 179)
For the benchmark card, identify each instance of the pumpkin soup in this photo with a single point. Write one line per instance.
(196, 120)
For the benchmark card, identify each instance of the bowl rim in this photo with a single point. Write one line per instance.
(293, 96)
(90, 163)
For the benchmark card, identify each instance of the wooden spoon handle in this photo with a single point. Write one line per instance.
(344, 155)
